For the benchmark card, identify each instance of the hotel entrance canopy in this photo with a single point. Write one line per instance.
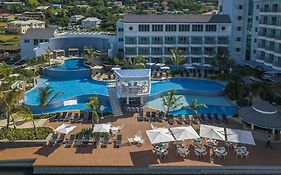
(133, 82)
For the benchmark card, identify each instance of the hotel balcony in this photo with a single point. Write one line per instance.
(276, 65)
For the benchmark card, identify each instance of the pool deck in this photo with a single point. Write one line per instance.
(133, 156)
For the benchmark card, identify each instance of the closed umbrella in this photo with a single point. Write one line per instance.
(102, 128)
(240, 136)
(165, 68)
(159, 135)
(212, 132)
(64, 128)
(184, 133)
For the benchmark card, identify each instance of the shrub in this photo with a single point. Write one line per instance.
(25, 133)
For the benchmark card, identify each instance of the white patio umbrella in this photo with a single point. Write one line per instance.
(102, 127)
(240, 136)
(150, 64)
(184, 133)
(212, 132)
(165, 68)
(116, 68)
(97, 67)
(70, 102)
(64, 128)
(160, 64)
(159, 135)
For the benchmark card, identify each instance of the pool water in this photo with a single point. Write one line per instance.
(74, 80)
(186, 84)
(71, 64)
(218, 104)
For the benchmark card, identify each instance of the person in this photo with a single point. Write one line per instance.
(268, 143)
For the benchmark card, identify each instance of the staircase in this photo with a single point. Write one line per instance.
(114, 102)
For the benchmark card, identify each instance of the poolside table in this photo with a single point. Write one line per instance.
(220, 150)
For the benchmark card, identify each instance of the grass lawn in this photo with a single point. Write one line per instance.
(3, 24)
(9, 40)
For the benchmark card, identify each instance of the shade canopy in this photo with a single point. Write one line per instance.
(69, 102)
(212, 132)
(150, 64)
(97, 67)
(184, 133)
(159, 64)
(102, 128)
(64, 128)
(116, 68)
(165, 68)
(239, 136)
(159, 135)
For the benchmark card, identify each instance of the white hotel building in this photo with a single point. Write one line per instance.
(154, 36)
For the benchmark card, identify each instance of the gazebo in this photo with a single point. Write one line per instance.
(262, 118)
(133, 84)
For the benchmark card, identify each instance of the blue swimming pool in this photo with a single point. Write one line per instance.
(74, 80)
(218, 104)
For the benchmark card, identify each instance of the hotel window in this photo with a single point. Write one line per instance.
(274, 20)
(183, 40)
(144, 28)
(223, 40)
(120, 39)
(237, 49)
(130, 51)
(240, 6)
(170, 40)
(171, 28)
(258, 6)
(196, 51)
(26, 41)
(257, 18)
(275, 7)
(144, 40)
(210, 40)
(238, 39)
(156, 51)
(197, 28)
(120, 29)
(239, 17)
(35, 42)
(239, 28)
(156, 40)
(211, 28)
(144, 51)
(168, 50)
(196, 40)
(185, 50)
(157, 28)
(184, 28)
(130, 40)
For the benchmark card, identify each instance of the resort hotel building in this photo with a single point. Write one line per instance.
(154, 36)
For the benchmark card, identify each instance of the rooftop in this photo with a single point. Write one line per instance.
(91, 19)
(133, 73)
(27, 22)
(169, 18)
(261, 114)
(46, 33)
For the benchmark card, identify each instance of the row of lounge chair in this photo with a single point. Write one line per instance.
(68, 116)
(84, 140)
(180, 119)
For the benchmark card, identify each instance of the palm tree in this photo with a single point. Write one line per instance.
(48, 56)
(139, 62)
(25, 113)
(45, 95)
(171, 101)
(8, 100)
(91, 54)
(177, 57)
(194, 106)
(94, 105)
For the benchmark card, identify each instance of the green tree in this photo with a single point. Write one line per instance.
(194, 106)
(46, 95)
(91, 54)
(25, 113)
(5, 70)
(177, 57)
(94, 106)
(8, 101)
(171, 101)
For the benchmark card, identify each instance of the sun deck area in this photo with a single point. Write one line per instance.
(133, 155)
